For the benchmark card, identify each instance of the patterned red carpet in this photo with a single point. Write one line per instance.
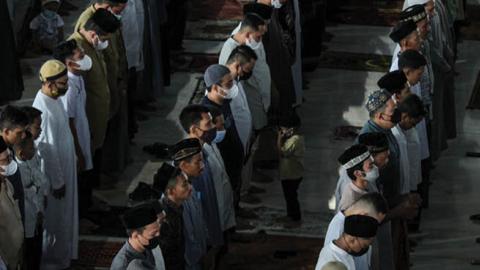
(270, 253)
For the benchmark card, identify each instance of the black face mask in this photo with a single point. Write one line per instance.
(209, 135)
(152, 243)
(246, 76)
(359, 253)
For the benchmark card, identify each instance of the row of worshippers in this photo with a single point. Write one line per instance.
(263, 54)
(406, 131)
(46, 151)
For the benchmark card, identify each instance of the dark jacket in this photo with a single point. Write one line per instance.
(172, 240)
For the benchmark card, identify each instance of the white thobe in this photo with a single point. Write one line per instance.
(242, 116)
(404, 163)
(223, 188)
(332, 253)
(74, 102)
(133, 17)
(58, 162)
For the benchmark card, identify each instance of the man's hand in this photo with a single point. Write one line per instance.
(59, 193)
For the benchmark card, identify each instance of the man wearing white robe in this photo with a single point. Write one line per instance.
(372, 205)
(58, 162)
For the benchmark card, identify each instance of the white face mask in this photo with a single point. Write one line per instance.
(276, 4)
(85, 64)
(101, 45)
(252, 43)
(232, 92)
(372, 175)
(220, 136)
(10, 169)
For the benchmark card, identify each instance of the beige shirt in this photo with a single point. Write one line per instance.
(292, 155)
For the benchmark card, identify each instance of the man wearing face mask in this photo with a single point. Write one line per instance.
(358, 234)
(141, 250)
(112, 158)
(93, 38)
(258, 85)
(221, 89)
(197, 121)
(74, 102)
(372, 205)
(358, 163)
(56, 149)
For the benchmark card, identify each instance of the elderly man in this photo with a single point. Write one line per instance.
(56, 147)
(371, 204)
(141, 250)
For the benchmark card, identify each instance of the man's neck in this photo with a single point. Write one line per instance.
(136, 246)
(98, 6)
(341, 243)
(357, 183)
(215, 98)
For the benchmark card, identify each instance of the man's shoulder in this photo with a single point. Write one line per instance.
(83, 18)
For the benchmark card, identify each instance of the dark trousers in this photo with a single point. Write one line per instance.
(85, 184)
(33, 250)
(290, 188)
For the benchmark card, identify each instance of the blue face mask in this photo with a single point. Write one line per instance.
(49, 14)
(220, 136)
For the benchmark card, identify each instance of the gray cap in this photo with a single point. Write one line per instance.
(214, 74)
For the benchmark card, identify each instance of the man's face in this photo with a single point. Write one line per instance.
(360, 244)
(35, 128)
(28, 151)
(52, 6)
(193, 167)
(413, 41)
(381, 159)
(247, 68)
(225, 84)
(387, 114)
(414, 75)
(13, 136)
(149, 232)
(182, 190)
(58, 87)
(5, 158)
(409, 122)
(205, 125)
